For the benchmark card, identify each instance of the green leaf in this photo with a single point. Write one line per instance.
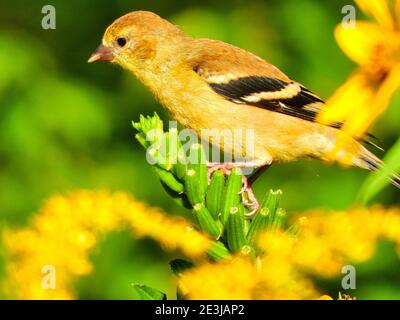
(278, 219)
(179, 167)
(380, 179)
(258, 224)
(196, 175)
(152, 137)
(169, 179)
(179, 198)
(272, 200)
(148, 293)
(218, 251)
(180, 265)
(215, 193)
(148, 123)
(142, 139)
(205, 221)
(232, 196)
(235, 229)
(268, 217)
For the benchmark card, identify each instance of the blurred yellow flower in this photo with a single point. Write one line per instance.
(325, 297)
(327, 241)
(242, 278)
(375, 47)
(324, 244)
(64, 231)
(61, 236)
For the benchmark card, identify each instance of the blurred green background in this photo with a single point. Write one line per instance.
(66, 125)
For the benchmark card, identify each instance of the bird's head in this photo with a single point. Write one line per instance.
(136, 39)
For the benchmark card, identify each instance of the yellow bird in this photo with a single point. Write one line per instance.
(209, 84)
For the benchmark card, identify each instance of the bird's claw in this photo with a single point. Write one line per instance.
(226, 168)
(245, 186)
(251, 200)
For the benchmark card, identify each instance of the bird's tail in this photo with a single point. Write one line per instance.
(367, 160)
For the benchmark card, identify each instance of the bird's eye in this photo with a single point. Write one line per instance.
(121, 42)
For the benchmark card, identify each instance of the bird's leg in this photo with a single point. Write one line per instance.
(226, 167)
(251, 201)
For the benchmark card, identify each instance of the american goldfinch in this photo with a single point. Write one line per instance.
(209, 84)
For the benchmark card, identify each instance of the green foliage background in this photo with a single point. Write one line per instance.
(66, 125)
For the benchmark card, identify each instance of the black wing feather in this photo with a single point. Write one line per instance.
(242, 87)
(236, 90)
(296, 106)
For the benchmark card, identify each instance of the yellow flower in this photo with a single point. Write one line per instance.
(270, 276)
(64, 231)
(327, 241)
(170, 231)
(325, 297)
(324, 244)
(375, 47)
(242, 278)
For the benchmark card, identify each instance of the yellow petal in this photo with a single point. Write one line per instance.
(378, 9)
(360, 123)
(357, 103)
(355, 92)
(397, 12)
(367, 43)
(349, 101)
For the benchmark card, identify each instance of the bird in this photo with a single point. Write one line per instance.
(207, 84)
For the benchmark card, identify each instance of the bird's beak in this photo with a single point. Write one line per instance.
(102, 53)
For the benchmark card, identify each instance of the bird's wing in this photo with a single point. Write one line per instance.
(288, 98)
(244, 78)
